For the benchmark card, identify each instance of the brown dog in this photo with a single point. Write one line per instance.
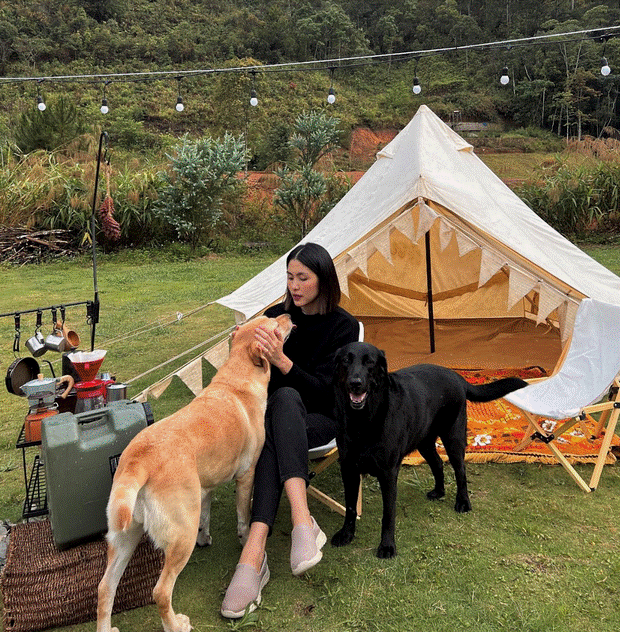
(167, 473)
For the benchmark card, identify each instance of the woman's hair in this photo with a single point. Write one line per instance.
(317, 259)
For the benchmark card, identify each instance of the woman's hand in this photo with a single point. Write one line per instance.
(272, 345)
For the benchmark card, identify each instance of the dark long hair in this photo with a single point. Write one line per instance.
(317, 259)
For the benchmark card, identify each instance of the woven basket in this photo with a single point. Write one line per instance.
(44, 587)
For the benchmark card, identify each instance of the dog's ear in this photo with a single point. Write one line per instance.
(382, 363)
(256, 354)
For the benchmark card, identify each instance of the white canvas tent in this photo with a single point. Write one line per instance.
(504, 286)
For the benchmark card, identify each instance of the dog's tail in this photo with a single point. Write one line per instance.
(493, 390)
(123, 497)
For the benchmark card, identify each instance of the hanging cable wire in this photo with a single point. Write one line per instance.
(342, 62)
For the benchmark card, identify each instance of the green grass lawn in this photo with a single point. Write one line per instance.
(535, 554)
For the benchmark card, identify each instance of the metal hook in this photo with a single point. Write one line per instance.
(17, 333)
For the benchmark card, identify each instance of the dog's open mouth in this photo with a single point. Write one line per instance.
(357, 401)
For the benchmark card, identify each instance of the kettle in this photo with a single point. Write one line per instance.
(42, 391)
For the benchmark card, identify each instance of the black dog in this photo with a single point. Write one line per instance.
(384, 416)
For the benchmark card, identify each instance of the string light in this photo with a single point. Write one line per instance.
(417, 88)
(605, 69)
(600, 34)
(40, 102)
(104, 102)
(331, 95)
(179, 107)
(253, 96)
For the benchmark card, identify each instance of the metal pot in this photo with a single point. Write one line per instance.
(22, 370)
(115, 392)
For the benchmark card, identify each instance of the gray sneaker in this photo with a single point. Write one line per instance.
(244, 591)
(306, 544)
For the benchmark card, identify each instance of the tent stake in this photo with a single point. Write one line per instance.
(429, 286)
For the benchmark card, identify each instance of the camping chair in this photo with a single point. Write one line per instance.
(574, 393)
(325, 456)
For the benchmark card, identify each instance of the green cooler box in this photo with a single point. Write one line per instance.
(80, 453)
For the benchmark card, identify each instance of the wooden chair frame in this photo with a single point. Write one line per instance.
(609, 413)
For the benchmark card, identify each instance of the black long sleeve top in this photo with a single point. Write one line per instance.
(312, 347)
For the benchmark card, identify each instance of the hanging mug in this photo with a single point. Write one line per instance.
(72, 338)
(55, 341)
(36, 343)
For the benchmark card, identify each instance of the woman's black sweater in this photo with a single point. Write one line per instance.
(312, 347)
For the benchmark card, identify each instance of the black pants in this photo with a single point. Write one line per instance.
(289, 431)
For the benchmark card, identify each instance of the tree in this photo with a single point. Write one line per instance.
(202, 176)
(302, 191)
(53, 128)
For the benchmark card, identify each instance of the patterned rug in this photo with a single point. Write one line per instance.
(495, 428)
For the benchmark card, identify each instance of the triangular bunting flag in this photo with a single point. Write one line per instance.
(567, 313)
(381, 241)
(426, 218)
(519, 285)
(218, 354)
(191, 375)
(343, 269)
(465, 244)
(445, 234)
(548, 300)
(404, 223)
(359, 254)
(142, 397)
(157, 389)
(490, 263)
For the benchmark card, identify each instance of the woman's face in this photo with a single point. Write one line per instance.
(303, 286)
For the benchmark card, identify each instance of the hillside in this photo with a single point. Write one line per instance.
(101, 39)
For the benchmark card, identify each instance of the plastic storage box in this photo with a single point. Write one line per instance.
(80, 453)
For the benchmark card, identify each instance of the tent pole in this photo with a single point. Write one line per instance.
(429, 291)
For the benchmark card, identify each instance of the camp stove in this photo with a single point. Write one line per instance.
(42, 403)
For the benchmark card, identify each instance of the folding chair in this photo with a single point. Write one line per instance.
(588, 372)
(325, 456)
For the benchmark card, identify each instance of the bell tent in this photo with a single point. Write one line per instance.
(435, 253)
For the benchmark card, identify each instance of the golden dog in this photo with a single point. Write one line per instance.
(167, 473)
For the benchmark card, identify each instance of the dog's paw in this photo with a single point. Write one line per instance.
(342, 537)
(386, 551)
(462, 505)
(436, 494)
(243, 532)
(182, 624)
(204, 538)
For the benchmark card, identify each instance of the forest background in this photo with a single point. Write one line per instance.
(556, 96)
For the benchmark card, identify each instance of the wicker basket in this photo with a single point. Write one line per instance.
(45, 587)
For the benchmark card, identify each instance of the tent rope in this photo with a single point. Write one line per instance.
(180, 355)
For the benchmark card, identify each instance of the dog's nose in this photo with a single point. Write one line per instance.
(355, 382)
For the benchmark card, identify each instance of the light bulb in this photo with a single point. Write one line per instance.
(253, 99)
(504, 79)
(179, 107)
(104, 106)
(331, 96)
(41, 104)
(605, 69)
(417, 88)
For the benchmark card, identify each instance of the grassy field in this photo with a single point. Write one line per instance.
(535, 554)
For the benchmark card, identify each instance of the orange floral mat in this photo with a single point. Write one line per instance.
(494, 429)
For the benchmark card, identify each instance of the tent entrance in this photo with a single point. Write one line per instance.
(491, 343)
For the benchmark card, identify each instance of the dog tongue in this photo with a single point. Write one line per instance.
(357, 399)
